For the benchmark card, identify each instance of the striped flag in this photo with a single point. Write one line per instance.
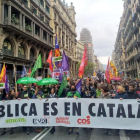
(57, 52)
(111, 75)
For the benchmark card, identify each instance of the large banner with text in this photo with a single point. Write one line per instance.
(92, 113)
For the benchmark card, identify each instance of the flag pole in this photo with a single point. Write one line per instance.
(15, 77)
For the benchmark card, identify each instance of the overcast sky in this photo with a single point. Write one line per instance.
(102, 18)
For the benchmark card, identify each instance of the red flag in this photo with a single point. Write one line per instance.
(107, 73)
(83, 63)
(49, 60)
(29, 71)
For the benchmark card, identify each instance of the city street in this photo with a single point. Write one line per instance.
(62, 134)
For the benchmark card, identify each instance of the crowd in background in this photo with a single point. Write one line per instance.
(90, 88)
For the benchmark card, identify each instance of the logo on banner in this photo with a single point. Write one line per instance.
(64, 120)
(84, 121)
(40, 121)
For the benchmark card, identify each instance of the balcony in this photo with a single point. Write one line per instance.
(137, 57)
(56, 21)
(131, 56)
(138, 22)
(133, 67)
(21, 56)
(129, 35)
(129, 23)
(135, 29)
(128, 47)
(128, 13)
(41, 7)
(134, 17)
(138, 7)
(32, 58)
(6, 52)
(48, 2)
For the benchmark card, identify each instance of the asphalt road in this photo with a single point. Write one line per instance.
(62, 134)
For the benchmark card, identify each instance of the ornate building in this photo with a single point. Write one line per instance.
(128, 40)
(64, 25)
(24, 33)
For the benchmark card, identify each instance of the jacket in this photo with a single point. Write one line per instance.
(25, 95)
(122, 95)
(132, 95)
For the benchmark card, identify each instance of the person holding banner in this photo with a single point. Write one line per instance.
(24, 94)
(132, 95)
(120, 95)
(11, 96)
(38, 95)
(53, 95)
(2, 98)
(105, 95)
(73, 94)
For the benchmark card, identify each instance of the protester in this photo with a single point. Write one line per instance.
(2, 98)
(98, 90)
(132, 95)
(105, 95)
(121, 94)
(24, 94)
(53, 95)
(73, 94)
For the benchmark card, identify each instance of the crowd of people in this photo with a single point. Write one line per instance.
(90, 88)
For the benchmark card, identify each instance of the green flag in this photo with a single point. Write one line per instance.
(63, 85)
(38, 64)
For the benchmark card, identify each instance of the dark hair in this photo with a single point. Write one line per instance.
(131, 84)
(105, 88)
(53, 89)
(9, 94)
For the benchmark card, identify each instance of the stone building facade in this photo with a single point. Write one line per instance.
(28, 27)
(128, 40)
(24, 33)
(64, 25)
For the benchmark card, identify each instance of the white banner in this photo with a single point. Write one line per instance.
(70, 112)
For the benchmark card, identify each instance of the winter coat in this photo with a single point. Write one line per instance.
(122, 95)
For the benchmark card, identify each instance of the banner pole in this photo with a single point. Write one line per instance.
(15, 77)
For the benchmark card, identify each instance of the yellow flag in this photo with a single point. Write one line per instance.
(94, 74)
(2, 72)
(113, 68)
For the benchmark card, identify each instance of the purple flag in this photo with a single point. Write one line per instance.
(64, 66)
(7, 85)
(78, 86)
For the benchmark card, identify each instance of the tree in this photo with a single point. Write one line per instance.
(89, 69)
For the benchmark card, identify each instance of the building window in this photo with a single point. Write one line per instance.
(37, 30)
(55, 29)
(44, 35)
(32, 52)
(34, 10)
(7, 44)
(41, 16)
(21, 49)
(47, 22)
(42, 2)
(47, 9)
(25, 2)
(55, 16)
